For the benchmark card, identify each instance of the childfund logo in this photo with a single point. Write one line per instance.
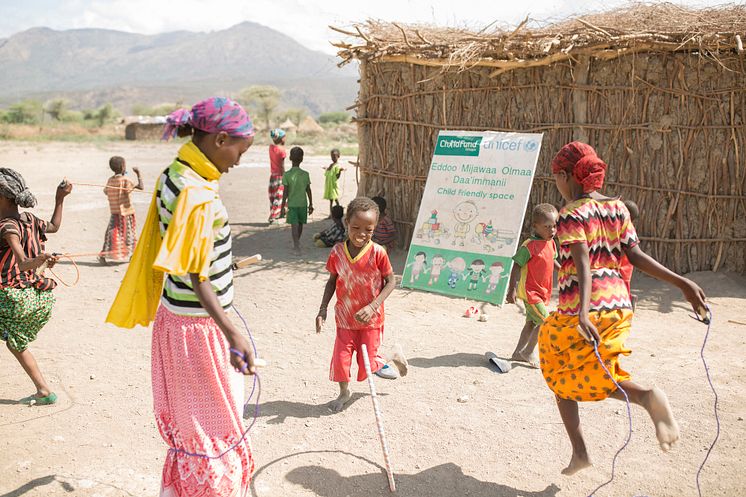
(458, 145)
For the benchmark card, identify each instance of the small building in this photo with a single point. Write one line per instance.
(658, 89)
(309, 126)
(143, 127)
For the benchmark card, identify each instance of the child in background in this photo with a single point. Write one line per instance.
(594, 313)
(531, 280)
(121, 234)
(276, 170)
(26, 298)
(297, 183)
(331, 177)
(625, 267)
(335, 233)
(361, 276)
(385, 234)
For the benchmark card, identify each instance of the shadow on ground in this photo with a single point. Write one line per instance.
(444, 480)
(280, 410)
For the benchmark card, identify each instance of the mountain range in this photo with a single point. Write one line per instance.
(94, 66)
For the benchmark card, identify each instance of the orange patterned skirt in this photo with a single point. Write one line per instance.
(568, 362)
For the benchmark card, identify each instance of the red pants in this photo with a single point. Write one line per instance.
(349, 341)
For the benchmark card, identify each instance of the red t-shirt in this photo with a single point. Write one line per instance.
(277, 155)
(359, 281)
(536, 258)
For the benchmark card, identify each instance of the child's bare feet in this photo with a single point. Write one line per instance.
(400, 360)
(577, 463)
(532, 360)
(339, 403)
(666, 427)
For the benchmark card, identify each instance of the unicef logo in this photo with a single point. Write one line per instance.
(531, 146)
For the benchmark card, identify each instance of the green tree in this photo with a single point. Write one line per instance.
(57, 108)
(263, 100)
(334, 117)
(24, 112)
(294, 114)
(105, 114)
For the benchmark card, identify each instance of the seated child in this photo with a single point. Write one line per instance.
(531, 279)
(335, 233)
(385, 234)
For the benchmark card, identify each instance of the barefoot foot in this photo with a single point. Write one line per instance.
(339, 403)
(666, 427)
(577, 463)
(532, 360)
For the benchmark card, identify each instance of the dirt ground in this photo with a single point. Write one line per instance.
(505, 440)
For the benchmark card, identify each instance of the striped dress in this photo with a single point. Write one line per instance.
(197, 395)
(568, 362)
(26, 298)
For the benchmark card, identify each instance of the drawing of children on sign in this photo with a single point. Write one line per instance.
(457, 267)
(418, 266)
(436, 265)
(496, 274)
(464, 213)
(474, 273)
(485, 233)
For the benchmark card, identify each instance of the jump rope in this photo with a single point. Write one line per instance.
(256, 385)
(706, 318)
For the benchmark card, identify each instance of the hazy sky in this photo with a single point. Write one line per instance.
(304, 20)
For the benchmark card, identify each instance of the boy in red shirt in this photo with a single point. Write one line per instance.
(531, 279)
(626, 267)
(361, 275)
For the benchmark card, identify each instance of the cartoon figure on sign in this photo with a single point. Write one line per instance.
(496, 274)
(485, 232)
(432, 229)
(465, 212)
(418, 265)
(435, 268)
(474, 273)
(457, 267)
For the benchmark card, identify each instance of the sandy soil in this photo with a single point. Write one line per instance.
(505, 440)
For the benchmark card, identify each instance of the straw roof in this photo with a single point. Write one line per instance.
(310, 126)
(288, 125)
(663, 27)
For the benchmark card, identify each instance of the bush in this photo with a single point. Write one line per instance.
(25, 112)
(155, 110)
(334, 118)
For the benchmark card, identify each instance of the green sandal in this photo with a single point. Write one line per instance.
(33, 400)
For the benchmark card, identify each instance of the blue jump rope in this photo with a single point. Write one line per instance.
(707, 320)
(255, 387)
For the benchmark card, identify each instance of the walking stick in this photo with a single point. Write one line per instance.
(379, 420)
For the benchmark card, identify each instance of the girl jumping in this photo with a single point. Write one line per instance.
(26, 298)
(594, 231)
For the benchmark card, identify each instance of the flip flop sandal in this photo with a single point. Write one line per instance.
(387, 372)
(33, 400)
(502, 365)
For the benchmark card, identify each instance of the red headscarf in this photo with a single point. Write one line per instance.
(580, 160)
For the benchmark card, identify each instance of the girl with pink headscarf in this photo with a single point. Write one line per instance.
(180, 278)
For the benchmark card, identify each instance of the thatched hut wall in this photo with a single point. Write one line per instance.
(670, 124)
(143, 131)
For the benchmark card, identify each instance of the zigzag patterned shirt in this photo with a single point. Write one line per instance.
(603, 225)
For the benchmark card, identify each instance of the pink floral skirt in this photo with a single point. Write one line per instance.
(198, 404)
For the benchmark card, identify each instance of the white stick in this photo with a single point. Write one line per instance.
(379, 420)
(247, 262)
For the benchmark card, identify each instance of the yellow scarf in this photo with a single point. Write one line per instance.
(185, 248)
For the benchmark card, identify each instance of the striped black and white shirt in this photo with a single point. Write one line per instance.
(178, 295)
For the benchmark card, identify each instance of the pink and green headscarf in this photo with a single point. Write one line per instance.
(213, 115)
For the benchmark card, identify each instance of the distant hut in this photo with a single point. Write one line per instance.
(309, 126)
(288, 125)
(659, 90)
(143, 127)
